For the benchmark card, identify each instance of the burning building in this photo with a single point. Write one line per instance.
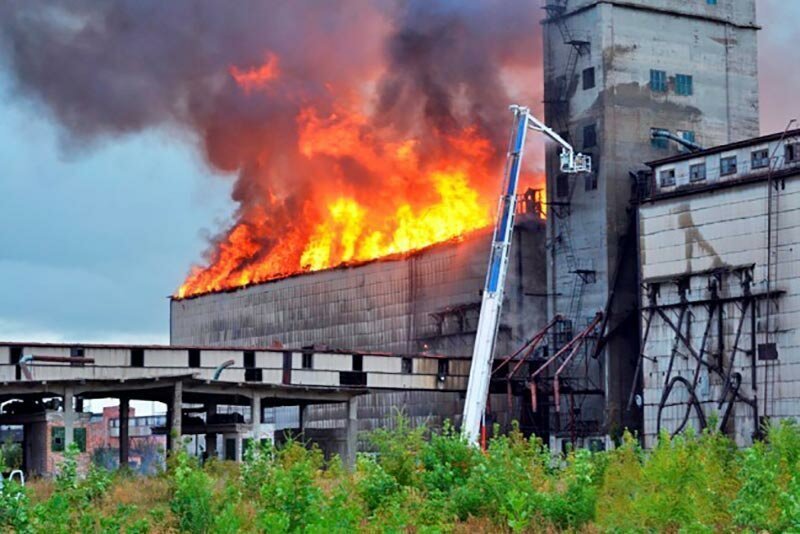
(367, 160)
(425, 301)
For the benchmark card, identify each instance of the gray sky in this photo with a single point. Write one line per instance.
(92, 243)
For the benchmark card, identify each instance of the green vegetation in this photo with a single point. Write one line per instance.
(435, 483)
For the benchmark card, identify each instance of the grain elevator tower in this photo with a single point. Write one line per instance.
(616, 72)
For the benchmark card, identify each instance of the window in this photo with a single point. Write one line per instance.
(759, 159)
(792, 152)
(16, 356)
(308, 360)
(697, 173)
(661, 143)
(58, 438)
(76, 352)
(727, 166)
(249, 359)
(406, 366)
(194, 357)
(588, 78)
(137, 357)
(711, 2)
(589, 136)
(683, 84)
(444, 369)
(658, 81)
(358, 362)
(667, 178)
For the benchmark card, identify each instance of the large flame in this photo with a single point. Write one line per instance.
(419, 205)
(349, 130)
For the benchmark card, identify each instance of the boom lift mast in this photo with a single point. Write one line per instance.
(492, 302)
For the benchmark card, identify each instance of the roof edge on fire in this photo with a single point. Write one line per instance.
(530, 222)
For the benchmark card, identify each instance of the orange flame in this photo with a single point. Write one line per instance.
(423, 197)
(257, 77)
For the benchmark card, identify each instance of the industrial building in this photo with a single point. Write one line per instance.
(424, 302)
(46, 385)
(719, 253)
(656, 296)
(615, 73)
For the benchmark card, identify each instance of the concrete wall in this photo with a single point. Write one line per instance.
(716, 45)
(719, 235)
(427, 302)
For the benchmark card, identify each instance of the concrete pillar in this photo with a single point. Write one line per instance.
(211, 438)
(303, 413)
(124, 442)
(69, 417)
(255, 420)
(174, 419)
(255, 411)
(351, 432)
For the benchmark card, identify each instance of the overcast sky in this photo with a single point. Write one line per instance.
(93, 243)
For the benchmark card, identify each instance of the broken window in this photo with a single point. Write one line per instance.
(683, 84)
(588, 78)
(58, 438)
(137, 357)
(727, 166)
(697, 173)
(667, 178)
(358, 362)
(759, 159)
(658, 81)
(16, 356)
(194, 357)
(792, 153)
(590, 136)
(443, 370)
(406, 366)
(308, 360)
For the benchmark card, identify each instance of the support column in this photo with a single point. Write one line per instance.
(175, 413)
(124, 422)
(211, 437)
(351, 444)
(69, 417)
(255, 415)
(303, 414)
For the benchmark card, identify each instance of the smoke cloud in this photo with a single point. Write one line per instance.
(297, 99)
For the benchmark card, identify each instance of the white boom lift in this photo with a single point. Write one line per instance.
(492, 303)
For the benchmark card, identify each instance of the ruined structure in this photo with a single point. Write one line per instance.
(719, 255)
(615, 73)
(427, 301)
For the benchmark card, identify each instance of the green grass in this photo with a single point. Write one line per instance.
(418, 482)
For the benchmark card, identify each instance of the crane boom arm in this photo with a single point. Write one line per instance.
(493, 292)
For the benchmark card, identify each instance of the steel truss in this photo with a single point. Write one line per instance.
(715, 357)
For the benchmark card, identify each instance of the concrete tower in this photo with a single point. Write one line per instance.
(615, 72)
